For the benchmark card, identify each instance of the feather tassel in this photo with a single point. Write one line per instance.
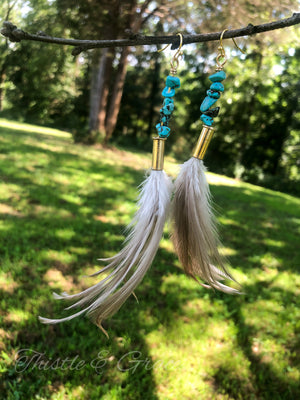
(126, 269)
(195, 234)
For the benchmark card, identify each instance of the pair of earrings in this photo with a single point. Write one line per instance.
(194, 236)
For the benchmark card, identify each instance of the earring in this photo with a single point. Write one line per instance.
(195, 234)
(127, 268)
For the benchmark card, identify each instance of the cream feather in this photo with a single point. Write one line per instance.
(195, 234)
(127, 268)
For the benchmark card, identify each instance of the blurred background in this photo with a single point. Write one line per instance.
(114, 95)
(75, 140)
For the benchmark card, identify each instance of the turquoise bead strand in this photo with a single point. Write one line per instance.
(172, 83)
(213, 94)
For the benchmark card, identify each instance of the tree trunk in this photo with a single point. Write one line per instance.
(117, 91)
(2, 79)
(96, 91)
(102, 110)
(1, 96)
(109, 98)
(99, 92)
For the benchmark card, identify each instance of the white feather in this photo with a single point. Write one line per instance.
(128, 267)
(195, 235)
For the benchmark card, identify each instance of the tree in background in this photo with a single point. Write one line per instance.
(40, 80)
(259, 107)
(7, 11)
(110, 20)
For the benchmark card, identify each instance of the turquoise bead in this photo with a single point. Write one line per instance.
(164, 119)
(173, 82)
(163, 131)
(207, 103)
(217, 77)
(167, 110)
(215, 95)
(207, 120)
(168, 92)
(167, 101)
(217, 86)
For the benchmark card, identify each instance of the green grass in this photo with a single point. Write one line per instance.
(62, 206)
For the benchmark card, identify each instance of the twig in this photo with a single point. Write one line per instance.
(14, 34)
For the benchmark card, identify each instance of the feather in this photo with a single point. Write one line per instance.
(127, 268)
(195, 234)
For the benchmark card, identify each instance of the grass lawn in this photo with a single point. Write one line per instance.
(62, 206)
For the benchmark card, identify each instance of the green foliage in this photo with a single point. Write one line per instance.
(45, 84)
(62, 206)
(257, 134)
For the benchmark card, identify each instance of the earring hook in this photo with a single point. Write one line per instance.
(234, 41)
(175, 59)
(222, 54)
(167, 45)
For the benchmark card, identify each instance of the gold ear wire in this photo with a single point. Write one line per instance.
(238, 47)
(222, 54)
(179, 52)
(234, 41)
(167, 45)
(164, 48)
(175, 59)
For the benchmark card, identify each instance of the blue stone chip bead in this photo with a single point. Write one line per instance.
(163, 131)
(164, 120)
(212, 93)
(207, 120)
(207, 103)
(173, 82)
(217, 77)
(217, 86)
(167, 110)
(168, 92)
(167, 101)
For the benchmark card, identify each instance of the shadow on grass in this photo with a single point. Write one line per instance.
(57, 226)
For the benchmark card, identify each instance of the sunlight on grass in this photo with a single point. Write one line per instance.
(65, 233)
(61, 256)
(20, 126)
(17, 316)
(7, 284)
(63, 206)
(276, 243)
(79, 250)
(227, 251)
(6, 209)
(55, 278)
(222, 180)
(166, 244)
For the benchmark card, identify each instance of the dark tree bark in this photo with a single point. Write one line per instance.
(117, 91)
(101, 74)
(2, 79)
(96, 91)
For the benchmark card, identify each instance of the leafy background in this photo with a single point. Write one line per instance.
(68, 189)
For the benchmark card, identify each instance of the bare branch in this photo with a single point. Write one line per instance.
(16, 35)
(10, 8)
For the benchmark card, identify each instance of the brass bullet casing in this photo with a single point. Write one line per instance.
(158, 153)
(203, 142)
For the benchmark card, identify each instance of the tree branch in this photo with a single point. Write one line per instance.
(15, 34)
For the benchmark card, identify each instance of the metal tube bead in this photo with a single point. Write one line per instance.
(158, 153)
(203, 142)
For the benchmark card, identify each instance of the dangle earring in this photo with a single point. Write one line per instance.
(126, 269)
(195, 235)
